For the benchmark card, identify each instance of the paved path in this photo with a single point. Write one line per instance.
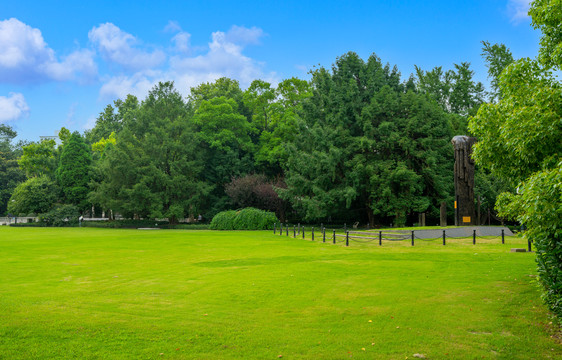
(461, 232)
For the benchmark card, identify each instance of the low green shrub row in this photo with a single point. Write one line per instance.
(134, 224)
(245, 219)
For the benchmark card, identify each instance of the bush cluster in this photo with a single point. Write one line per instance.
(133, 224)
(63, 215)
(245, 219)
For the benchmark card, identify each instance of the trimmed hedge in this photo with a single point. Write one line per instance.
(134, 224)
(245, 219)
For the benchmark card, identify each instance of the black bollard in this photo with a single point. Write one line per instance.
(312, 233)
(303, 232)
(473, 237)
(299, 228)
(323, 234)
(380, 238)
(443, 237)
(503, 238)
(294, 231)
(274, 228)
(347, 238)
(280, 229)
(334, 236)
(412, 237)
(287, 229)
(529, 244)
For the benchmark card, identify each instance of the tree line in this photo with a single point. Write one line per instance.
(356, 142)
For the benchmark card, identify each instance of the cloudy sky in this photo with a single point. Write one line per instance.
(62, 62)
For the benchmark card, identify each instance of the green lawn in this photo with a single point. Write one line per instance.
(159, 294)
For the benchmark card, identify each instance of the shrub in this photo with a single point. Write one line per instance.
(258, 192)
(245, 219)
(63, 215)
(35, 195)
(223, 220)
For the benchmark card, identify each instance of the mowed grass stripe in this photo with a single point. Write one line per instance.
(117, 294)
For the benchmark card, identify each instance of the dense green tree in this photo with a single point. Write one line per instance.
(113, 118)
(259, 97)
(39, 158)
(154, 170)
(34, 196)
(10, 173)
(73, 172)
(455, 91)
(225, 146)
(284, 114)
(519, 141)
(365, 143)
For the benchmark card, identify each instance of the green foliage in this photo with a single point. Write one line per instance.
(497, 57)
(519, 141)
(225, 139)
(245, 219)
(154, 170)
(257, 191)
(10, 173)
(73, 173)
(364, 143)
(36, 195)
(39, 159)
(113, 119)
(455, 90)
(546, 16)
(223, 220)
(62, 215)
(521, 134)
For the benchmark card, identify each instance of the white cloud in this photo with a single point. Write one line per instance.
(172, 26)
(26, 57)
(244, 36)
(120, 47)
(138, 84)
(518, 9)
(13, 107)
(181, 41)
(223, 56)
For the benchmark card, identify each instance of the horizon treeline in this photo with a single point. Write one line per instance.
(355, 143)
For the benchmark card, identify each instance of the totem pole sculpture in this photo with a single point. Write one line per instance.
(464, 180)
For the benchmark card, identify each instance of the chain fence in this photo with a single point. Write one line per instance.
(338, 235)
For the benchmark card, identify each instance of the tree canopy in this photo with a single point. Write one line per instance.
(519, 141)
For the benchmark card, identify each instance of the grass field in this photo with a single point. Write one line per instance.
(82, 293)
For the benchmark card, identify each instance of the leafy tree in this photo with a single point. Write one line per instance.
(113, 119)
(10, 173)
(497, 57)
(225, 145)
(255, 190)
(154, 168)
(546, 16)
(519, 141)
(283, 114)
(364, 143)
(39, 158)
(61, 215)
(73, 173)
(36, 195)
(455, 91)
(259, 97)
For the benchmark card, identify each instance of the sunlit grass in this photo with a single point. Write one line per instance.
(117, 294)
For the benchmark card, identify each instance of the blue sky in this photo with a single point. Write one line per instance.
(62, 62)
